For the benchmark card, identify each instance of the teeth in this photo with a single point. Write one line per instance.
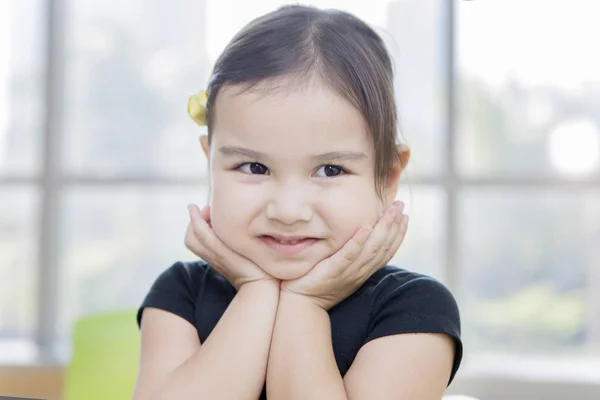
(287, 242)
(290, 242)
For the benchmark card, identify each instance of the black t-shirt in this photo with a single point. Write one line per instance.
(392, 301)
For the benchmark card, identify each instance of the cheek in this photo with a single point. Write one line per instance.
(346, 211)
(232, 210)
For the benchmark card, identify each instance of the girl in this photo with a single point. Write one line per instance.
(294, 299)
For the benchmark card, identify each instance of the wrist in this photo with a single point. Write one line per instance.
(299, 300)
(268, 285)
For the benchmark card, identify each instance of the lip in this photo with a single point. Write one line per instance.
(273, 242)
(289, 238)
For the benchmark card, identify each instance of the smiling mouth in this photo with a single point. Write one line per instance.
(284, 241)
(289, 246)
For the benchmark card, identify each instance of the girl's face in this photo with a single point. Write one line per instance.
(286, 166)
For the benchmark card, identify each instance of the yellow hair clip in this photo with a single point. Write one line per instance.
(197, 107)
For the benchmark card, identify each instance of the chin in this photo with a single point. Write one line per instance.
(286, 270)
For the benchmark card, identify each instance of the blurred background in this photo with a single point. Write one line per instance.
(499, 100)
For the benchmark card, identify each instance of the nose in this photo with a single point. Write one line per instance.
(290, 204)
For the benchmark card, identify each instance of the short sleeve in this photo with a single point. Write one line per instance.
(418, 305)
(175, 291)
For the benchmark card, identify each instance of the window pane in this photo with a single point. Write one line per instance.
(18, 267)
(114, 243)
(132, 65)
(423, 248)
(529, 95)
(22, 51)
(416, 43)
(530, 273)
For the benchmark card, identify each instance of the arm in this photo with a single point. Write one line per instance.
(301, 361)
(302, 364)
(403, 367)
(231, 364)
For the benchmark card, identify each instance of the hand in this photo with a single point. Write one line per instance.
(338, 276)
(203, 242)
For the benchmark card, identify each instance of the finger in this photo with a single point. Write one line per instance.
(187, 239)
(193, 244)
(388, 246)
(201, 246)
(198, 221)
(376, 241)
(216, 252)
(202, 232)
(351, 249)
(393, 242)
(205, 215)
(398, 240)
(196, 213)
(401, 235)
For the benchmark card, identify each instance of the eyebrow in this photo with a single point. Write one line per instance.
(340, 156)
(232, 151)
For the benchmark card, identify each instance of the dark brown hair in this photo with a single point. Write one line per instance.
(340, 50)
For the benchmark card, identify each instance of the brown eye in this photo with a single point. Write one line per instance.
(330, 171)
(253, 168)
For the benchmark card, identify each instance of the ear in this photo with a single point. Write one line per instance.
(390, 191)
(205, 145)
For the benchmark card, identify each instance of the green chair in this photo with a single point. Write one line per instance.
(105, 358)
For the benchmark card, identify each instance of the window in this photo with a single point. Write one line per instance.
(22, 69)
(528, 158)
(98, 159)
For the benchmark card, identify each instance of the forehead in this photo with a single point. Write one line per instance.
(289, 119)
